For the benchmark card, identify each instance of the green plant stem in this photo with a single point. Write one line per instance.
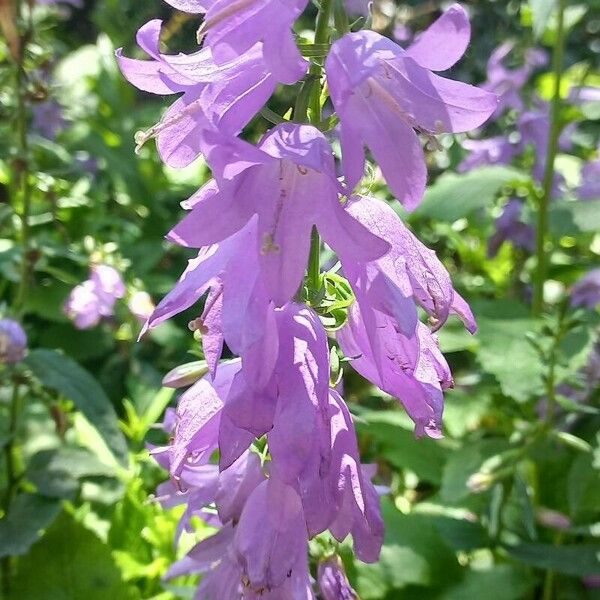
(548, 590)
(22, 189)
(12, 477)
(315, 115)
(548, 179)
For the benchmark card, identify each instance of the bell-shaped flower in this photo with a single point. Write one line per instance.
(411, 369)
(13, 342)
(589, 188)
(220, 96)
(586, 291)
(382, 93)
(507, 83)
(197, 419)
(333, 581)
(232, 27)
(356, 499)
(491, 151)
(511, 227)
(271, 540)
(289, 183)
(408, 274)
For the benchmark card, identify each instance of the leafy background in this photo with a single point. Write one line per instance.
(506, 506)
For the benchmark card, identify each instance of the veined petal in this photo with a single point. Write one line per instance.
(435, 103)
(444, 42)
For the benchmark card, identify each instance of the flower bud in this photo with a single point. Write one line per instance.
(185, 374)
(13, 342)
(333, 583)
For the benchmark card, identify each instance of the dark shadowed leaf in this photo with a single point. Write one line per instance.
(414, 554)
(578, 560)
(64, 375)
(28, 515)
(69, 563)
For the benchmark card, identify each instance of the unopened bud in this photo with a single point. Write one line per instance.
(186, 374)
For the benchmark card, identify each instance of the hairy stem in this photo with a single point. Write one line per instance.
(22, 186)
(315, 115)
(548, 180)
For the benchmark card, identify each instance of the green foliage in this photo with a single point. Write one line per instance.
(69, 563)
(20, 528)
(70, 380)
(468, 516)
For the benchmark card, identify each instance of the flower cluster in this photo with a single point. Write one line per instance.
(288, 463)
(95, 298)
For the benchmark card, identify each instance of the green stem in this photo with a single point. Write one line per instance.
(548, 180)
(548, 590)
(22, 192)
(12, 477)
(315, 115)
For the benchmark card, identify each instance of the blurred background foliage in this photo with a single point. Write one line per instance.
(506, 506)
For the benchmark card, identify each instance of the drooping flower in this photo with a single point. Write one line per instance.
(510, 227)
(288, 184)
(589, 188)
(534, 127)
(232, 27)
(586, 292)
(13, 342)
(408, 274)
(382, 92)
(333, 582)
(497, 150)
(223, 97)
(412, 370)
(507, 83)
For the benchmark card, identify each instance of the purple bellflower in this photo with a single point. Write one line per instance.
(382, 93)
(333, 582)
(589, 188)
(586, 292)
(13, 342)
(231, 27)
(507, 83)
(95, 298)
(288, 185)
(491, 151)
(223, 97)
(510, 227)
(288, 467)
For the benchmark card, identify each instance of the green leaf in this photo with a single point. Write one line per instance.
(454, 196)
(425, 457)
(69, 563)
(570, 218)
(57, 473)
(63, 374)
(500, 582)
(583, 488)
(540, 13)
(28, 515)
(504, 350)
(413, 553)
(465, 462)
(579, 560)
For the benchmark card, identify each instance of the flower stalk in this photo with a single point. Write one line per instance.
(315, 116)
(21, 192)
(549, 170)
